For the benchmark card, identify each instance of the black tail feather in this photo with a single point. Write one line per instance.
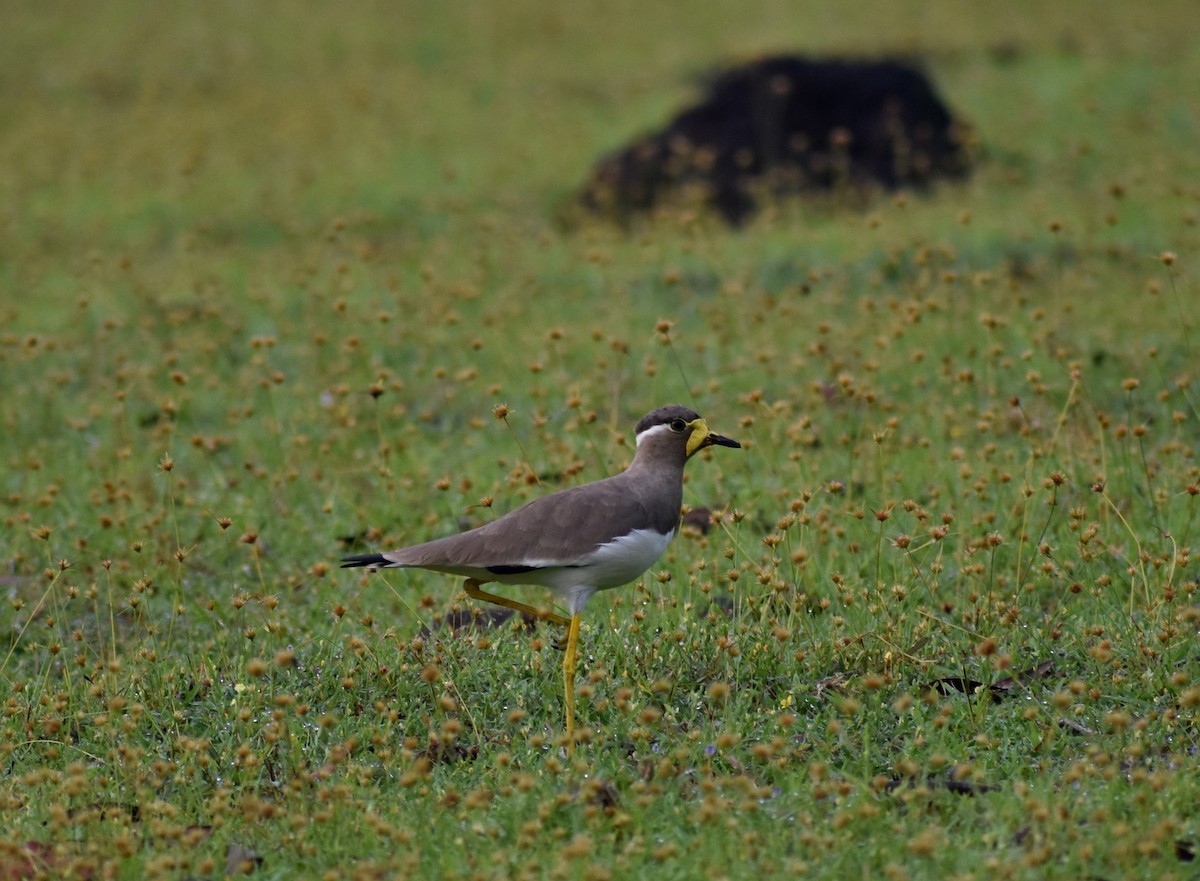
(378, 561)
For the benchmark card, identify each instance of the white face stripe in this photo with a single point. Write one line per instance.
(653, 431)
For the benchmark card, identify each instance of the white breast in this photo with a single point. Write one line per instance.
(625, 558)
(618, 562)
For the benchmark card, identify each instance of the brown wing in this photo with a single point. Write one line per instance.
(536, 534)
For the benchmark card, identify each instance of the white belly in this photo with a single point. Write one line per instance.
(624, 559)
(610, 565)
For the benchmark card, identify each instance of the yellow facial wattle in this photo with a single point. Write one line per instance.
(699, 435)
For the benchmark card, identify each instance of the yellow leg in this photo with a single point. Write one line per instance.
(569, 679)
(472, 587)
(475, 592)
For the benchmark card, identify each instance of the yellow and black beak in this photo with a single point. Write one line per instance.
(701, 437)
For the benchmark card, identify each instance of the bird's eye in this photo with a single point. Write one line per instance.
(677, 424)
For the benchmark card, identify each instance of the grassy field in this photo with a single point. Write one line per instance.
(266, 271)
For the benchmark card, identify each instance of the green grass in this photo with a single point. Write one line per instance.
(944, 627)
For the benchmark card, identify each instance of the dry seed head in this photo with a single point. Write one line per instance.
(649, 715)
(1118, 720)
(719, 692)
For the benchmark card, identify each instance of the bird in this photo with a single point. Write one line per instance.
(577, 541)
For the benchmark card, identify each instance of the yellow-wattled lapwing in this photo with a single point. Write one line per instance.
(577, 541)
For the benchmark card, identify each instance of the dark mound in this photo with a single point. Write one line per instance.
(785, 125)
